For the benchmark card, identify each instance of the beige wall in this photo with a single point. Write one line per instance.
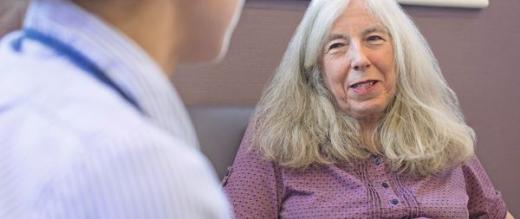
(478, 51)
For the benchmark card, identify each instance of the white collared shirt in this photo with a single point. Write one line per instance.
(71, 147)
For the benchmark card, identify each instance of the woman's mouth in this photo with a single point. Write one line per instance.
(363, 87)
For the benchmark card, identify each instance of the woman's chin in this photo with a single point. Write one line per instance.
(366, 112)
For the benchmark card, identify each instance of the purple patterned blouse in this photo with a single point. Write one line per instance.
(261, 189)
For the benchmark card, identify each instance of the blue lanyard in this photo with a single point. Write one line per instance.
(76, 58)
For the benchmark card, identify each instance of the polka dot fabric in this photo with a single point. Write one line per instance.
(261, 189)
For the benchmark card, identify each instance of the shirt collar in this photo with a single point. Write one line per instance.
(125, 62)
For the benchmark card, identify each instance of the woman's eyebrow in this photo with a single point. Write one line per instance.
(375, 29)
(336, 36)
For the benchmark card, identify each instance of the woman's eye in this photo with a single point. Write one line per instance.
(374, 38)
(335, 46)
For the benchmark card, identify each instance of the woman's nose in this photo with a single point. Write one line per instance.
(359, 60)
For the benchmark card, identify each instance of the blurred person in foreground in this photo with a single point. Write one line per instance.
(90, 125)
(358, 122)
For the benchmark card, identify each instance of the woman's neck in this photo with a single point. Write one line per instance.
(368, 135)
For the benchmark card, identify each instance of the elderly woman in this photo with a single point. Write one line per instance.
(359, 122)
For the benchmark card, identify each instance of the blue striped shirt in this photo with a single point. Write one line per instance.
(71, 147)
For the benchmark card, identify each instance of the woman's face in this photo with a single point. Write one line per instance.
(358, 64)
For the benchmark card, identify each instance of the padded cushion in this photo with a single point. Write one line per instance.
(220, 130)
